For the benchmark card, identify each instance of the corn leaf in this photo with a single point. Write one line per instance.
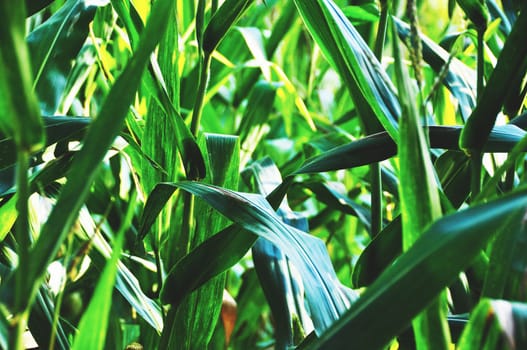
(98, 139)
(496, 324)
(512, 62)
(326, 296)
(54, 45)
(94, 323)
(20, 117)
(370, 88)
(407, 286)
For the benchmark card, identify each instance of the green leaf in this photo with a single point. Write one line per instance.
(416, 278)
(350, 56)
(8, 214)
(54, 45)
(98, 139)
(379, 254)
(496, 324)
(57, 129)
(278, 277)
(326, 296)
(512, 62)
(360, 14)
(222, 20)
(199, 312)
(380, 146)
(20, 116)
(420, 205)
(505, 277)
(94, 322)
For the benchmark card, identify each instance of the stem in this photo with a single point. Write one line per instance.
(187, 226)
(475, 180)
(23, 243)
(375, 168)
(477, 155)
(200, 97)
(481, 63)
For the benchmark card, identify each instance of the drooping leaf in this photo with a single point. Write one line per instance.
(281, 283)
(416, 277)
(324, 292)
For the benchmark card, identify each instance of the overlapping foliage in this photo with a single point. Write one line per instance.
(316, 174)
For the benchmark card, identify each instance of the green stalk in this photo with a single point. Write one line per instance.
(375, 168)
(481, 62)
(188, 200)
(23, 244)
(202, 90)
(476, 156)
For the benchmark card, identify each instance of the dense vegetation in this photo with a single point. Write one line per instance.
(317, 174)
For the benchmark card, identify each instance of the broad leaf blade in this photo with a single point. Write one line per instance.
(324, 292)
(416, 278)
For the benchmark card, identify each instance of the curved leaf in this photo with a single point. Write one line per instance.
(378, 147)
(415, 279)
(324, 292)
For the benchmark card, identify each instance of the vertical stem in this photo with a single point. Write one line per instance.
(200, 97)
(375, 168)
(23, 243)
(475, 180)
(476, 157)
(481, 63)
